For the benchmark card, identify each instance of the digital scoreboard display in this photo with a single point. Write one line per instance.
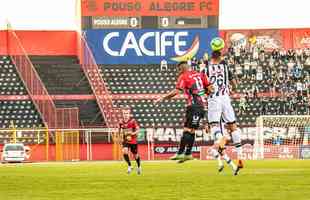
(161, 14)
(116, 22)
(160, 22)
(149, 31)
(182, 22)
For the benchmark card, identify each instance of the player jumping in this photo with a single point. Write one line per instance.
(129, 129)
(194, 85)
(218, 150)
(219, 102)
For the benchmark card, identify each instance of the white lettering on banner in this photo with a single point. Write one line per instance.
(161, 42)
(101, 22)
(130, 43)
(170, 134)
(179, 42)
(249, 133)
(106, 43)
(172, 149)
(267, 41)
(165, 42)
(142, 42)
(174, 135)
(179, 133)
(305, 41)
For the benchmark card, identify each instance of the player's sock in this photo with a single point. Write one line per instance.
(229, 161)
(216, 130)
(183, 143)
(138, 161)
(190, 140)
(236, 136)
(126, 158)
(217, 156)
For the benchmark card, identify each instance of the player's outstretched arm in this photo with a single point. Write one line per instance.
(233, 86)
(169, 95)
(136, 131)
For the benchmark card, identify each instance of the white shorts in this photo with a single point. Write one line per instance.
(220, 106)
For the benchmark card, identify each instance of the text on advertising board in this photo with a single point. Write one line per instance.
(148, 46)
(150, 8)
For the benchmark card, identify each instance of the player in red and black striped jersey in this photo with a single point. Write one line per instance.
(129, 129)
(195, 86)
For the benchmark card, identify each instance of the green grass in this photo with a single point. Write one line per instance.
(266, 180)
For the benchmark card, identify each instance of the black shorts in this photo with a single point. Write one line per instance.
(132, 147)
(194, 114)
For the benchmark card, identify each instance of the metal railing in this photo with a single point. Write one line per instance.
(67, 118)
(110, 113)
(38, 93)
(31, 79)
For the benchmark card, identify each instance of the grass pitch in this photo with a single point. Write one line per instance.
(166, 180)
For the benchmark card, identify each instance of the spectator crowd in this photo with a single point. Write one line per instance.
(276, 82)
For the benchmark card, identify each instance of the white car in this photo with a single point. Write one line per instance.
(13, 153)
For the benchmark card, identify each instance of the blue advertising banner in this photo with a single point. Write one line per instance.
(149, 46)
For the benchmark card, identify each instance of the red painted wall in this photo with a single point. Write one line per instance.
(48, 42)
(3, 42)
(66, 42)
(100, 152)
(44, 42)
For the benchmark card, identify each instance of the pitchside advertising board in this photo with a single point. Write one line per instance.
(166, 139)
(148, 46)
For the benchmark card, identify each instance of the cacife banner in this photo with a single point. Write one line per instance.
(301, 38)
(150, 8)
(148, 46)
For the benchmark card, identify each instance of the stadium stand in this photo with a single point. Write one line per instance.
(143, 80)
(272, 83)
(267, 82)
(63, 79)
(169, 114)
(13, 110)
(63, 76)
(89, 113)
(267, 85)
(139, 79)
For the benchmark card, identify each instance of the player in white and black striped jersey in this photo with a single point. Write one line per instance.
(219, 102)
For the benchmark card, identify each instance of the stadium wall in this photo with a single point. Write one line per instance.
(275, 38)
(105, 152)
(100, 152)
(67, 43)
(43, 42)
(3, 42)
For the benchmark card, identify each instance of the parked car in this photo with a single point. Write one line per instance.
(14, 153)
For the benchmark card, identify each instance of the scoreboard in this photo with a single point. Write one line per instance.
(161, 14)
(149, 31)
(153, 22)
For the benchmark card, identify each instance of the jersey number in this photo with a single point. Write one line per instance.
(218, 81)
(199, 84)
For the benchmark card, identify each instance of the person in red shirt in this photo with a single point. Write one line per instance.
(195, 86)
(129, 128)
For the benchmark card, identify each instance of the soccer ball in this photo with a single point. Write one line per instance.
(217, 44)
